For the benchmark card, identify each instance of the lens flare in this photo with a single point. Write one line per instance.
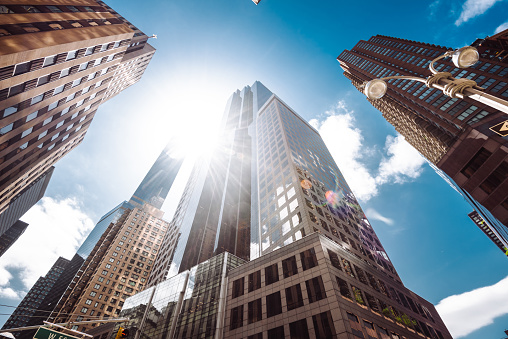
(306, 184)
(333, 198)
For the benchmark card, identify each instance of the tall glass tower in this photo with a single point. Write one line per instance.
(158, 181)
(216, 212)
(249, 198)
(273, 194)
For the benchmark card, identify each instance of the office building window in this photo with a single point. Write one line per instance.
(358, 295)
(238, 287)
(54, 9)
(16, 89)
(254, 281)
(315, 289)
(256, 336)
(50, 60)
(22, 68)
(494, 180)
(71, 55)
(498, 87)
(478, 117)
(323, 325)
(6, 129)
(276, 333)
(355, 325)
(271, 274)
(334, 258)
(255, 312)
(32, 116)
(58, 89)
(308, 258)
(299, 329)
(43, 80)
(65, 72)
(474, 164)
(26, 132)
(236, 317)
(37, 99)
(52, 105)
(294, 297)
(289, 267)
(273, 304)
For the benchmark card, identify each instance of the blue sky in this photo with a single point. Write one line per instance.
(208, 49)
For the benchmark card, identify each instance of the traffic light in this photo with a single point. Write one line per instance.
(122, 333)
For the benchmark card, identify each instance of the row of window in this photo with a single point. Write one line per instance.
(363, 298)
(319, 156)
(497, 88)
(14, 90)
(50, 107)
(13, 109)
(34, 27)
(11, 9)
(323, 329)
(273, 305)
(495, 179)
(289, 268)
(122, 279)
(36, 64)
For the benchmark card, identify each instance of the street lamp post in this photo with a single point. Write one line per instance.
(455, 88)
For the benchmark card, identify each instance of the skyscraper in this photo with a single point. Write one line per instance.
(11, 235)
(316, 264)
(215, 213)
(117, 257)
(458, 136)
(24, 200)
(481, 217)
(57, 64)
(36, 295)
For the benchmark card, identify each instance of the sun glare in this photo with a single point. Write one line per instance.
(189, 116)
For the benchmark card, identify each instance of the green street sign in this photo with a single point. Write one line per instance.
(44, 333)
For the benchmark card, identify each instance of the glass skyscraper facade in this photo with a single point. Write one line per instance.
(249, 198)
(158, 181)
(217, 211)
(316, 264)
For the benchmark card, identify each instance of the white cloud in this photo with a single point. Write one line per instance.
(474, 8)
(433, 8)
(375, 215)
(400, 163)
(470, 311)
(501, 28)
(345, 143)
(9, 293)
(56, 228)
(404, 162)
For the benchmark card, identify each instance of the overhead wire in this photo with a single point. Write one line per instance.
(34, 309)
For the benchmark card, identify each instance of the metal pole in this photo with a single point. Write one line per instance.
(477, 95)
(487, 99)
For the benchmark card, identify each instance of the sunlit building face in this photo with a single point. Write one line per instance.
(58, 63)
(273, 195)
(270, 182)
